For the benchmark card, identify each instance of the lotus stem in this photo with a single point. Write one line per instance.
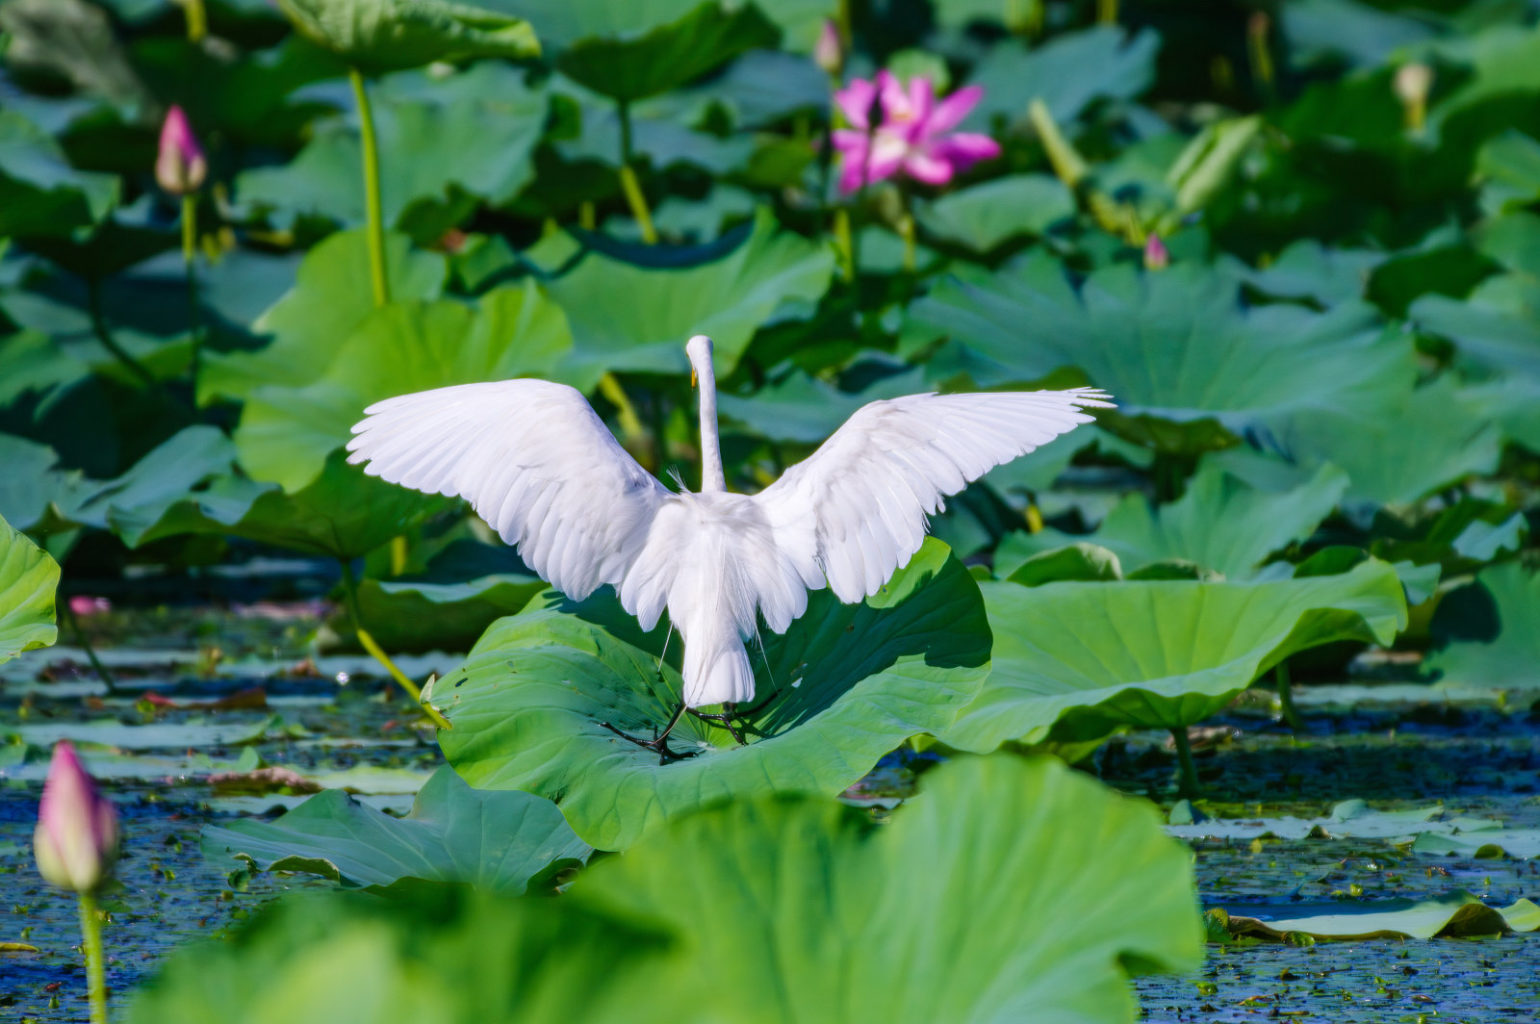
(1115, 218)
(197, 20)
(1107, 11)
(630, 422)
(103, 335)
(368, 643)
(1188, 785)
(906, 232)
(373, 207)
(398, 553)
(91, 948)
(1286, 704)
(85, 645)
(629, 185)
(190, 261)
(844, 243)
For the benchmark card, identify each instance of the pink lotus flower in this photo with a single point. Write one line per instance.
(76, 841)
(179, 164)
(1156, 255)
(915, 137)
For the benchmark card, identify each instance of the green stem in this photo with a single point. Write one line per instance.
(103, 335)
(190, 260)
(629, 184)
(197, 20)
(375, 210)
(91, 947)
(1107, 11)
(843, 240)
(1188, 786)
(906, 232)
(1286, 704)
(350, 594)
(85, 645)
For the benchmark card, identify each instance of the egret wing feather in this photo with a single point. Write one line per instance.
(856, 510)
(534, 460)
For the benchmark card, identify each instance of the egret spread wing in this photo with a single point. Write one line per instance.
(855, 510)
(536, 463)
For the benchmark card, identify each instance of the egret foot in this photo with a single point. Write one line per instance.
(730, 715)
(658, 744)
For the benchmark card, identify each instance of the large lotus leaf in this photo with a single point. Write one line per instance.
(1512, 658)
(1009, 890)
(1068, 73)
(627, 317)
(1424, 441)
(1190, 366)
(406, 615)
(1309, 270)
(28, 581)
(1456, 915)
(188, 485)
(33, 488)
(856, 681)
(187, 478)
(505, 841)
(40, 193)
(986, 216)
(485, 116)
(634, 65)
(1487, 329)
(446, 956)
(331, 295)
(802, 408)
(1220, 523)
(1343, 28)
(388, 35)
(1156, 654)
(1508, 167)
(286, 432)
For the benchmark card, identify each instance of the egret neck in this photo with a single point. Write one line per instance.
(712, 479)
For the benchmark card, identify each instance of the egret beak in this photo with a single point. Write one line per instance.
(693, 379)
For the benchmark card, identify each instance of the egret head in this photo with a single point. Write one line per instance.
(698, 349)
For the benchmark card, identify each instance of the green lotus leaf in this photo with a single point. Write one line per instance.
(1488, 843)
(28, 582)
(1349, 819)
(1422, 442)
(1511, 659)
(286, 432)
(485, 116)
(1156, 654)
(34, 490)
(1487, 328)
(407, 615)
(627, 317)
(1220, 523)
(1068, 73)
(1456, 915)
(376, 36)
(453, 954)
(855, 681)
(1309, 270)
(996, 909)
(504, 842)
(40, 193)
(330, 297)
(177, 487)
(1366, 36)
(632, 65)
(1190, 366)
(984, 217)
(1508, 166)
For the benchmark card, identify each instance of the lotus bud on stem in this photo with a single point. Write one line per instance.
(829, 50)
(76, 847)
(1413, 82)
(1156, 255)
(181, 169)
(1258, 28)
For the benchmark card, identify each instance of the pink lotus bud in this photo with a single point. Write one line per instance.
(1156, 255)
(179, 166)
(829, 51)
(76, 841)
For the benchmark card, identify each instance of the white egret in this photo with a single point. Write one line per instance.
(539, 465)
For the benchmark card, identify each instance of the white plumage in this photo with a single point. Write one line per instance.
(542, 469)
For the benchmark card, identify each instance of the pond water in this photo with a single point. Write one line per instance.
(173, 769)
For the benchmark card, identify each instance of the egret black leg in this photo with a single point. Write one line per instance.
(659, 744)
(725, 719)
